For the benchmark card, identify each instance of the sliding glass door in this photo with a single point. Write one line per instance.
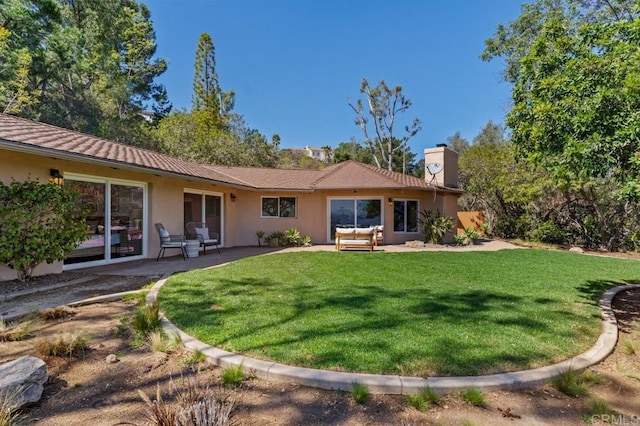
(205, 208)
(354, 213)
(115, 221)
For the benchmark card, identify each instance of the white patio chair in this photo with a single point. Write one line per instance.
(200, 231)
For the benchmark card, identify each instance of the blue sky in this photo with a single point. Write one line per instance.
(294, 63)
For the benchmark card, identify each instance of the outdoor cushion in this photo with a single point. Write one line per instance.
(204, 232)
(364, 230)
(345, 231)
(164, 236)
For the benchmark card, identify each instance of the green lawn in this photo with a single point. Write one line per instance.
(418, 313)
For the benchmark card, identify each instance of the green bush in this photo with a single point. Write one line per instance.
(547, 232)
(38, 223)
(434, 226)
(293, 237)
(505, 227)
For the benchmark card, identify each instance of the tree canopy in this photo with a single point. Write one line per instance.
(384, 104)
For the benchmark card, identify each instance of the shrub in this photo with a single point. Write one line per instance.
(69, 344)
(293, 237)
(422, 399)
(472, 234)
(547, 232)
(461, 240)
(505, 227)
(306, 241)
(260, 235)
(233, 376)
(46, 219)
(194, 403)
(434, 226)
(360, 393)
(473, 396)
(279, 236)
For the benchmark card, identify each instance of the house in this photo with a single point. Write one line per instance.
(317, 153)
(128, 189)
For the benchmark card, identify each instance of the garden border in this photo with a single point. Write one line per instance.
(393, 384)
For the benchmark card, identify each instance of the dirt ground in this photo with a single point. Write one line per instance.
(88, 390)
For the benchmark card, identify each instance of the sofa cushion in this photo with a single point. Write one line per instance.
(204, 232)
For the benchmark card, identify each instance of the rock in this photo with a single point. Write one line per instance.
(112, 359)
(414, 244)
(23, 377)
(576, 250)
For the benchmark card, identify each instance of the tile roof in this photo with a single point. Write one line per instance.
(31, 136)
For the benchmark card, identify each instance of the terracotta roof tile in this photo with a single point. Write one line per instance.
(20, 132)
(30, 135)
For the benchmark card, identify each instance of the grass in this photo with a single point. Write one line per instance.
(473, 396)
(9, 415)
(233, 376)
(398, 313)
(16, 331)
(570, 382)
(360, 393)
(598, 407)
(423, 399)
(62, 344)
(629, 347)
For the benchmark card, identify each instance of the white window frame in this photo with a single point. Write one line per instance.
(107, 219)
(278, 197)
(405, 215)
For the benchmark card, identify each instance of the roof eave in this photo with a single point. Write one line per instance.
(87, 159)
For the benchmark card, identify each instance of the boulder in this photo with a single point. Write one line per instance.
(23, 377)
(576, 250)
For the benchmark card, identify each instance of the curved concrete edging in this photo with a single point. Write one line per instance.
(391, 384)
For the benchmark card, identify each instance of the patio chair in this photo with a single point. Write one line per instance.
(200, 231)
(168, 241)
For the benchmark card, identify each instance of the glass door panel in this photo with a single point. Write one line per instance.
(92, 195)
(369, 213)
(206, 209)
(127, 217)
(213, 214)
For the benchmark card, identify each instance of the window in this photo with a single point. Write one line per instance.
(405, 216)
(350, 212)
(278, 207)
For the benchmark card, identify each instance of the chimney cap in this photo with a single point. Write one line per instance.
(441, 145)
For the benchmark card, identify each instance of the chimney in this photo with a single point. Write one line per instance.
(441, 166)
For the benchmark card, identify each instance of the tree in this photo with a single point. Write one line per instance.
(383, 106)
(457, 143)
(38, 223)
(352, 150)
(491, 133)
(23, 27)
(207, 93)
(576, 94)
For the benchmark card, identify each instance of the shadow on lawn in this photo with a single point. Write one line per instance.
(592, 290)
(322, 329)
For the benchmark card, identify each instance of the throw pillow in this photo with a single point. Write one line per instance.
(204, 232)
(164, 235)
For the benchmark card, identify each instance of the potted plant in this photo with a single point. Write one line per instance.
(434, 226)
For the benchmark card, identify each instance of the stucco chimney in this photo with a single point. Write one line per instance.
(441, 166)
